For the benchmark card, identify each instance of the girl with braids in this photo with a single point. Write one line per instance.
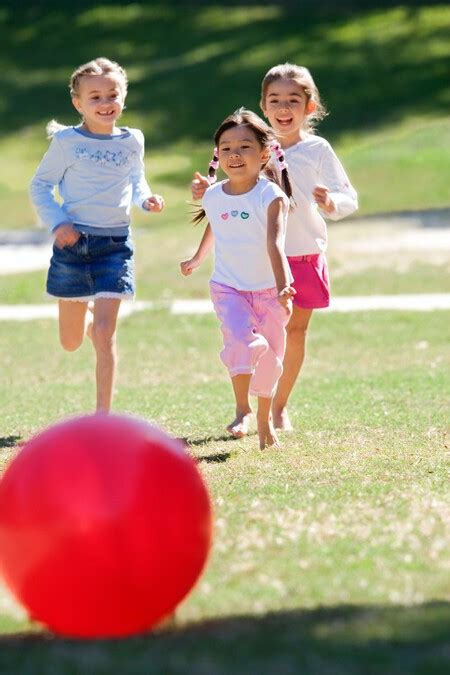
(98, 168)
(321, 189)
(250, 285)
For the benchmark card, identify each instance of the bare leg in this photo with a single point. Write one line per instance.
(104, 340)
(71, 323)
(266, 432)
(293, 360)
(240, 425)
(90, 320)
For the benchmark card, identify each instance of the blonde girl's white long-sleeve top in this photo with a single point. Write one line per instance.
(98, 177)
(312, 161)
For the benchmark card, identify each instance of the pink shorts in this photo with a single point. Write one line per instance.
(310, 274)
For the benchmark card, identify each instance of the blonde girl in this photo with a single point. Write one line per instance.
(98, 168)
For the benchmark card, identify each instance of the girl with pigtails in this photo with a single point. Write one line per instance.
(322, 190)
(251, 282)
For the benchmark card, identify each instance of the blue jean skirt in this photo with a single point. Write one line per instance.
(94, 267)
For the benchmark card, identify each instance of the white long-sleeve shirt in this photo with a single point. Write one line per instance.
(312, 161)
(98, 177)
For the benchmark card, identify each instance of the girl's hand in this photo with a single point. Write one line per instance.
(285, 298)
(65, 235)
(323, 200)
(199, 185)
(188, 266)
(155, 204)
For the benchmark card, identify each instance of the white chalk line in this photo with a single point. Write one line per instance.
(422, 302)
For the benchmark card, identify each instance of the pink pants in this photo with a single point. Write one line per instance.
(253, 325)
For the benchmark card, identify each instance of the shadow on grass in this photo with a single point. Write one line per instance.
(209, 439)
(340, 640)
(9, 441)
(217, 458)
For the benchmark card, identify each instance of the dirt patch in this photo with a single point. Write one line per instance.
(392, 242)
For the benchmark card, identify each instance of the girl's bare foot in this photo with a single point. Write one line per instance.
(267, 434)
(281, 419)
(239, 427)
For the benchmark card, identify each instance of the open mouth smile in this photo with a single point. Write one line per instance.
(285, 122)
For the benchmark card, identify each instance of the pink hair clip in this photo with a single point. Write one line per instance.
(214, 163)
(276, 148)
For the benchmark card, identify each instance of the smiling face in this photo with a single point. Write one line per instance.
(100, 100)
(286, 105)
(241, 156)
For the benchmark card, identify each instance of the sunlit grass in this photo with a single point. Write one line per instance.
(188, 70)
(353, 509)
(332, 554)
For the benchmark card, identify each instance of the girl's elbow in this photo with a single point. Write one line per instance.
(275, 249)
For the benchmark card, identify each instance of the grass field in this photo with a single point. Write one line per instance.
(381, 71)
(331, 555)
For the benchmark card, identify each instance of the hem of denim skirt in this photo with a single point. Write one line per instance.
(96, 296)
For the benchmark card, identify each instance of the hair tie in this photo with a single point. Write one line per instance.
(214, 163)
(276, 148)
(283, 165)
(212, 179)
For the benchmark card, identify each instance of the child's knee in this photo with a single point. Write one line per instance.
(244, 351)
(70, 343)
(103, 335)
(296, 331)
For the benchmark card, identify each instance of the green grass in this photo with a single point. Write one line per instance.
(381, 71)
(330, 555)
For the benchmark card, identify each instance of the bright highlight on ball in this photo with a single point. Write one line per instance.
(105, 526)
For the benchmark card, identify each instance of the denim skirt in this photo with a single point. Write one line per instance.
(94, 267)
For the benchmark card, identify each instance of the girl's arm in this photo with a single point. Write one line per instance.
(49, 174)
(199, 185)
(142, 194)
(206, 244)
(275, 249)
(335, 195)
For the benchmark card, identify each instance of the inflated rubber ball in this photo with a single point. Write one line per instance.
(105, 526)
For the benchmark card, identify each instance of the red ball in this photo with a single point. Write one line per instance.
(105, 526)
